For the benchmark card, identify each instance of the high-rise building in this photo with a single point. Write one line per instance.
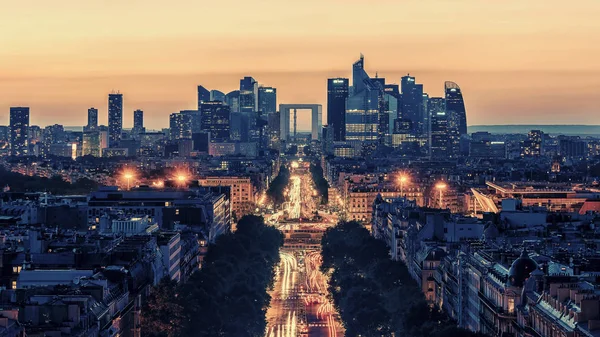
(180, 125)
(138, 122)
(363, 106)
(439, 141)
(455, 106)
(215, 119)
(457, 118)
(115, 118)
(267, 100)
(337, 94)
(195, 118)
(248, 95)
(412, 103)
(203, 95)
(19, 128)
(92, 123)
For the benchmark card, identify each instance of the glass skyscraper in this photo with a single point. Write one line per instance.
(412, 103)
(19, 127)
(439, 142)
(455, 106)
(337, 94)
(115, 118)
(267, 100)
(457, 116)
(138, 121)
(363, 106)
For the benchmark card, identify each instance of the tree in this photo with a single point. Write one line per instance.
(163, 313)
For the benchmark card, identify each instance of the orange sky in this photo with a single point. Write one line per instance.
(518, 62)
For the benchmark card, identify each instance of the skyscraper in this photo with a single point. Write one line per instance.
(455, 106)
(19, 125)
(195, 118)
(92, 123)
(457, 116)
(337, 94)
(363, 106)
(180, 125)
(412, 103)
(115, 118)
(248, 95)
(203, 95)
(439, 143)
(215, 119)
(138, 122)
(267, 100)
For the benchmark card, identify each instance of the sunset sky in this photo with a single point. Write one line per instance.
(517, 62)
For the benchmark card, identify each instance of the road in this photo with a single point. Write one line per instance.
(299, 305)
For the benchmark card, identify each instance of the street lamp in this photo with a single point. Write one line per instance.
(403, 178)
(128, 175)
(181, 179)
(441, 186)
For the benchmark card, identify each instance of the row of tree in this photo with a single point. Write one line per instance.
(322, 185)
(228, 295)
(278, 185)
(55, 185)
(374, 295)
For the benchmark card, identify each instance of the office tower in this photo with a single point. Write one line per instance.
(203, 95)
(180, 125)
(138, 120)
(337, 94)
(363, 106)
(216, 95)
(267, 100)
(233, 100)
(248, 95)
(457, 119)
(115, 118)
(440, 142)
(392, 104)
(425, 115)
(327, 138)
(215, 119)
(455, 106)
(91, 143)
(19, 128)
(195, 118)
(92, 123)
(412, 103)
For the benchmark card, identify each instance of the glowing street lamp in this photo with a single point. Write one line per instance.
(403, 178)
(441, 186)
(181, 179)
(128, 175)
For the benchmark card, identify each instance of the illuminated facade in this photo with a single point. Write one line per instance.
(457, 116)
(439, 142)
(215, 119)
(181, 126)
(412, 103)
(19, 125)
(363, 106)
(138, 121)
(242, 192)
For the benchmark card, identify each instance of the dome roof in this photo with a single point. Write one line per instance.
(490, 231)
(521, 269)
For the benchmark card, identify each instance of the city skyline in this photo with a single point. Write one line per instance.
(511, 61)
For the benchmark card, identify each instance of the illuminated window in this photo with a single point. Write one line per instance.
(511, 305)
(14, 284)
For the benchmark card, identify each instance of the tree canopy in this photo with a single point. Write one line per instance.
(228, 295)
(374, 295)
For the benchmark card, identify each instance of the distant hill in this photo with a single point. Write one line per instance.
(570, 130)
